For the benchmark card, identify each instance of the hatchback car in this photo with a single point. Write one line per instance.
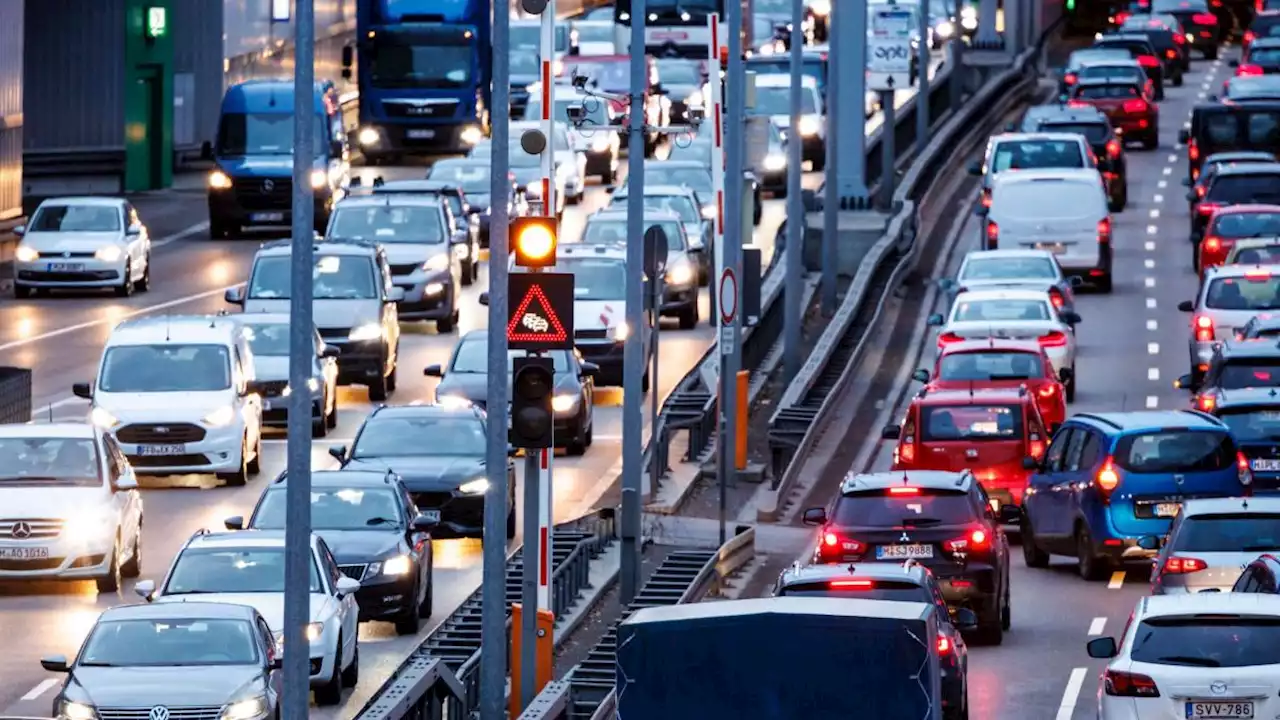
(1212, 541)
(1204, 30)
(1103, 139)
(1235, 365)
(1127, 104)
(1241, 184)
(80, 243)
(1228, 298)
(1260, 576)
(269, 340)
(993, 269)
(1231, 225)
(1005, 365)
(686, 263)
(1255, 251)
(1169, 40)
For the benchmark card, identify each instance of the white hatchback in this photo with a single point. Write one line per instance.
(82, 243)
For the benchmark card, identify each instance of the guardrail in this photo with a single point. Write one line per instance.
(808, 398)
(15, 395)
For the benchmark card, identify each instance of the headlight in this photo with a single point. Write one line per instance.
(436, 263)
(821, 7)
(599, 144)
(471, 135)
(557, 67)
(96, 524)
(564, 403)
(369, 136)
(621, 332)
(250, 709)
(218, 180)
(369, 331)
(969, 12)
(26, 254)
(103, 419)
(775, 162)
(319, 179)
(72, 710)
(314, 631)
(398, 565)
(680, 274)
(694, 99)
(709, 212)
(110, 253)
(479, 486)
(809, 126)
(945, 29)
(453, 402)
(221, 417)
(433, 289)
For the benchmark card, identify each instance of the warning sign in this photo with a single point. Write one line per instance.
(540, 315)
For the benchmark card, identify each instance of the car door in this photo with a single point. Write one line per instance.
(128, 502)
(1083, 459)
(1042, 504)
(348, 611)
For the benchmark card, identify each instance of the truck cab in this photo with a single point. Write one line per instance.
(251, 184)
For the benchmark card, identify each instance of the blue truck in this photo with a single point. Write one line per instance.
(423, 70)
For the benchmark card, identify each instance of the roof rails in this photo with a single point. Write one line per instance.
(1098, 418)
(199, 533)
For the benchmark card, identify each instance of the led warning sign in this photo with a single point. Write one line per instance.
(541, 311)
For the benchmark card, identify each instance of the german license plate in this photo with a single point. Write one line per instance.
(904, 552)
(1054, 248)
(1219, 710)
(24, 553)
(162, 449)
(66, 267)
(433, 515)
(1266, 465)
(420, 134)
(1167, 509)
(267, 217)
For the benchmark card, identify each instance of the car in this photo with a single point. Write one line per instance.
(1083, 57)
(1168, 36)
(570, 162)
(989, 269)
(1229, 296)
(269, 340)
(1210, 167)
(1024, 151)
(773, 100)
(943, 520)
(464, 382)
(1261, 58)
(1251, 88)
(1176, 650)
(72, 506)
(1109, 479)
(764, 149)
(528, 174)
(1260, 576)
(82, 243)
(1140, 48)
(447, 481)
(685, 173)
(1237, 184)
(587, 135)
(684, 203)
(1255, 251)
(1001, 364)
(908, 582)
(1265, 24)
(1211, 540)
(180, 660)
(465, 183)
(174, 392)
(1234, 225)
(1235, 365)
(462, 219)
(1102, 137)
(372, 535)
(686, 264)
(1014, 314)
(1119, 70)
(1260, 326)
(1062, 211)
(247, 568)
(1127, 104)
(588, 38)
(1230, 126)
(355, 309)
(1204, 33)
(813, 63)
(683, 80)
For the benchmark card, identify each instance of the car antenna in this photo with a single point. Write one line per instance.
(166, 327)
(1244, 503)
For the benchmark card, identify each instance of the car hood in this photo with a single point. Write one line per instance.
(272, 166)
(356, 547)
(426, 473)
(162, 406)
(268, 604)
(598, 314)
(112, 687)
(405, 253)
(329, 314)
(70, 241)
(270, 367)
(69, 503)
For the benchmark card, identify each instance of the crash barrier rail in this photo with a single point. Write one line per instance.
(441, 678)
(685, 576)
(15, 395)
(691, 406)
(808, 398)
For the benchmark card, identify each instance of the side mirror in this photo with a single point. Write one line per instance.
(935, 320)
(433, 371)
(521, 189)
(1149, 542)
(395, 295)
(1103, 648)
(920, 376)
(422, 523)
(1065, 375)
(277, 662)
(590, 369)
(975, 169)
(1191, 197)
(1184, 382)
(338, 452)
(133, 230)
(815, 516)
(55, 663)
(1186, 306)
(330, 351)
(891, 432)
(145, 589)
(20, 230)
(234, 296)
(966, 619)
(206, 150)
(346, 73)
(1030, 463)
(1186, 182)
(348, 56)
(346, 586)
(1010, 515)
(82, 390)
(235, 522)
(1184, 135)
(126, 482)
(1071, 318)
(1233, 63)
(484, 298)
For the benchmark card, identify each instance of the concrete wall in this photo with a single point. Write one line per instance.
(11, 117)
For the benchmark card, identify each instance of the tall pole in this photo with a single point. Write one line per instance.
(715, 103)
(728, 294)
(922, 77)
(530, 560)
(633, 360)
(655, 315)
(795, 208)
(987, 37)
(493, 609)
(888, 153)
(550, 201)
(297, 522)
(851, 34)
(831, 185)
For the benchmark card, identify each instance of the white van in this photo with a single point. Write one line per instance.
(1063, 211)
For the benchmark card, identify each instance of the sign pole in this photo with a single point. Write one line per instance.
(889, 60)
(922, 79)
(831, 184)
(530, 560)
(550, 205)
(849, 44)
(731, 358)
(715, 88)
(795, 209)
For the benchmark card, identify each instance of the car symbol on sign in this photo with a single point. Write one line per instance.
(535, 323)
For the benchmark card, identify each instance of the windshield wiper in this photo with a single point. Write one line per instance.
(380, 521)
(1189, 660)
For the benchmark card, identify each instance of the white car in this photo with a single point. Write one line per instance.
(773, 98)
(1196, 656)
(1015, 314)
(246, 567)
(71, 506)
(82, 243)
(175, 393)
(570, 162)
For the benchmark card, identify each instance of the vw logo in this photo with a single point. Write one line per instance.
(161, 430)
(158, 712)
(1179, 478)
(267, 186)
(20, 530)
(904, 538)
(1218, 688)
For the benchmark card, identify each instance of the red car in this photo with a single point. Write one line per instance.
(996, 433)
(1234, 222)
(1000, 364)
(1126, 103)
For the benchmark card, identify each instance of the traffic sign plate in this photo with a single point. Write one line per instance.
(727, 300)
(889, 49)
(540, 316)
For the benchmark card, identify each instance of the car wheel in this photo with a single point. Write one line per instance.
(819, 162)
(1006, 613)
(1091, 567)
(424, 607)
(378, 389)
(578, 446)
(330, 693)
(689, 316)
(1071, 385)
(133, 568)
(1032, 555)
(320, 425)
(125, 288)
(144, 283)
(409, 622)
(110, 582)
(331, 417)
(351, 674)
(469, 273)
(239, 477)
(1177, 81)
(1211, 54)
(588, 438)
(444, 326)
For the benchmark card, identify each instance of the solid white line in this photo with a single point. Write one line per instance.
(40, 689)
(1158, 199)
(1095, 627)
(1151, 303)
(1153, 402)
(180, 235)
(1153, 348)
(1152, 325)
(1149, 246)
(1153, 373)
(1117, 580)
(1071, 694)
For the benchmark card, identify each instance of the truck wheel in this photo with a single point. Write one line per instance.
(378, 389)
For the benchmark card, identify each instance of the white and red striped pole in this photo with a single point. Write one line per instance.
(544, 531)
(715, 102)
(545, 517)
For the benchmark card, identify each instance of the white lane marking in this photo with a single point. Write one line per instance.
(1153, 373)
(1117, 580)
(1168, 171)
(1173, 158)
(1162, 184)
(1149, 282)
(40, 689)
(1153, 348)
(1149, 263)
(1158, 199)
(1151, 303)
(180, 235)
(1153, 402)
(1202, 95)
(1095, 627)
(1152, 229)
(1149, 246)
(1155, 213)
(1071, 694)
(1152, 325)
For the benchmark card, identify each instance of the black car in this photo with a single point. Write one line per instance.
(682, 80)
(906, 582)
(1205, 29)
(1140, 48)
(465, 380)
(1097, 129)
(1264, 25)
(943, 520)
(439, 455)
(1253, 414)
(1248, 183)
(1262, 57)
(472, 177)
(1169, 40)
(1236, 365)
(1226, 126)
(1216, 162)
(376, 535)
(1260, 576)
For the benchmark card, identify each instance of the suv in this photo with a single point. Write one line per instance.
(1108, 479)
(1235, 365)
(463, 218)
(1228, 298)
(1218, 127)
(995, 433)
(1030, 151)
(1126, 103)
(1004, 365)
(1260, 576)
(684, 264)
(944, 520)
(1101, 135)
(354, 305)
(1211, 541)
(1244, 184)
(1253, 414)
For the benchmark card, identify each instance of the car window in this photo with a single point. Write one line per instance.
(452, 434)
(947, 423)
(76, 218)
(1263, 128)
(473, 357)
(1240, 189)
(230, 570)
(1253, 532)
(330, 565)
(165, 368)
(990, 365)
(1262, 255)
(1252, 424)
(889, 507)
(1091, 451)
(268, 640)
(335, 277)
(1108, 92)
(49, 462)
(1001, 310)
(333, 508)
(1249, 372)
(1245, 224)
(1169, 451)
(1221, 642)
(1032, 154)
(1006, 268)
(1095, 133)
(1058, 449)
(1072, 463)
(1260, 292)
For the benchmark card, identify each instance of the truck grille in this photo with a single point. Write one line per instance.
(263, 193)
(328, 334)
(436, 109)
(66, 255)
(175, 713)
(160, 433)
(355, 572)
(30, 528)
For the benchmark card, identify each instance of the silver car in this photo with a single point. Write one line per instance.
(1030, 151)
(180, 660)
(1212, 541)
(269, 340)
(993, 269)
(684, 203)
(1228, 299)
(680, 286)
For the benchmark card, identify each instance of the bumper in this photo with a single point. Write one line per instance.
(607, 354)
(674, 300)
(226, 209)
(275, 410)
(1122, 549)
(395, 139)
(219, 451)
(61, 558)
(359, 362)
(460, 515)
(1136, 127)
(74, 272)
(1204, 38)
(601, 163)
(971, 586)
(384, 597)
(1086, 266)
(773, 181)
(1201, 354)
(427, 296)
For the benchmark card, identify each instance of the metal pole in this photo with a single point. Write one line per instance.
(655, 312)
(923, 57)
(493, 609)
(715, 104)
(987, 37)
(831, 186)
(889, 154)
(550, 201)
(851, 31)
(633, 360)
(729, 292)
(297, 541)
(956, 85)
(529, 583)
(795, 209)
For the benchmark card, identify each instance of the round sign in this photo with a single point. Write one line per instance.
(728, 296)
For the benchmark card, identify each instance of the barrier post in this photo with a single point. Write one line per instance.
(740, 450)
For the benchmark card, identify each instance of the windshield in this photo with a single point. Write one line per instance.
(49, 461)
(1249, 373)
(165, 368)
(883, 508)
(1242, 189)
(1250, 293)
(683, 72)
(387, 223)
(614, 232)
(1033, 154)
(696, 179)
(170, 642)
(1229, 532)
(462, 434)
(1245, 224)
(1010, 268)
(1078, 59)
(781, 64)
(611, 75)
(776, 100)
(990, 365)
(439, 58)
(1095, 133)
(1111, 72)
(946, 423)
(1199, 641)
(333, 508)
(233, 570)
(697, 149)
(472, 177)
(1252, 424)
(1171, 451)
(1001, 310)
(596, 279)
(263, 134)
(335, 277)
(861, 589)
(76, 218)
(268, 339)
(594, 32)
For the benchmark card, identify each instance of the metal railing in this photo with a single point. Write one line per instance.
(15, 395)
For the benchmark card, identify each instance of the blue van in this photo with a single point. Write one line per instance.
(252, 183)
(1108, 479)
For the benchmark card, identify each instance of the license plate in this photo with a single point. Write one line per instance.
(24, 553)
(66, 267)
(904, 552)
(1167, 509)
(1054, 248)
(1219, 710)
(162, 449)
(267, 217)
(433, 515)
(1266, 465)
(420, 134)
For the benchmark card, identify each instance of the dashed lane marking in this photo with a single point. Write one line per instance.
(1173, 158)
(1168, 171)
(1152, 229)
(1095, 627)
(1155, 213)
(1152, 325)
(1071, 694)
(1153, 402)
(1149, 282)
(40, 689)
(1157, 199)
(1149, 263)
(1153, 373)
(1117, 580)
(1202, 95)
(1151, 303)
(1153, 348)
(1149, 246)
(1162, 184)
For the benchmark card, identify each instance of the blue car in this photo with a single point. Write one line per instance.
(1108, 479)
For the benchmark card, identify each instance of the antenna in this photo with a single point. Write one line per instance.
(51, 412)
(166, 327)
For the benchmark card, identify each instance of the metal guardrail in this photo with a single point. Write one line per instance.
(441, 678)
(807, 400)
(15, 395)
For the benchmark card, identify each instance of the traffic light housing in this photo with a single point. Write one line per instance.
(534, 240)
(532, 387)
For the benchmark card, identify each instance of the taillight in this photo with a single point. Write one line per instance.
(1107, 478)
(986, 197)
(1148, 61)
(1135, 106)
(1204, 328)
(948, 337)
(1125, 684)
(1205, 19)
(1079, 104)
(1171, 54)
(993, 235)
(904, 490)
(1053, 338)
(1104, 230)
(1193, 152)
(1212, 244)
(1069, 78)
(1208, 208)
(1206, 402)
(836, 546)
(1048, 390)
(906, 450)
(851, 584)
(1055, 297)
(1035, 446)
(976, 540)
(1179, 39)
(944, 645)
(1249, 37)
(1175, 565)
(1243, 473)
(1114, 148)
(1247, 70)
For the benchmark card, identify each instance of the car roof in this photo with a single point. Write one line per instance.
(1034, 136)
(85, 200)
(1239, 271)
(1245, 209)
(79, 430)
(1108, 80)
(1249, 348)
(328, 246)
(1111, 62)
(1247, 397)
(239, 538)
(799, 574)
(1122, 36)
(1002, 293)
(593, 250)
(1001, 344)
(929, 479)
(658, 190)
(1006, 253)
(1149, 420)
(1265, 42)
(423, 410)
(1254, 168)
(1214, 506)
(1032, 175)
(390, 199)
(187, 610)
(972, 395)
(649, 215)
(264, 318)
(1208, 603)
(1239, 155)
(176, 329)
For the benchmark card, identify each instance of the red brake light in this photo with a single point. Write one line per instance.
(1114, 148)
(1205, 19)
(1078, 104)
(1124, 684)
(1053, 338)
(948, 338)
(978, 537)
(836, 547)
(1175, 565)
(993, 235)
(944, 645)
(1055, 297)
(1243, 473)
(986, 197)
(1179, 39)
(1193, 152)
(830, 539)
(1069, 78)
(1206, 402)
(1035, 446)
(1208, 208)
(1204, 328)
(1049, 390)
(1104, 230)
(1257, 275)
(975, 540)
(1247, 70)
(1107, 478)
(1249, 37)
(1135, 106)
(1171, 54)
(1212, 244)
(852, 584)
(900, 490)
(1148, 61)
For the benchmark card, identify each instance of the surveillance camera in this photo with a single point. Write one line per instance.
(579, 81)
(577, 114)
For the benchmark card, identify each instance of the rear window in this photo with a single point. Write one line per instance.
(1265, 255)
(1095, 133)
(1244, 189)
(1107, 92)
(1229, 532)
(1221, 129)
(1168, 451)
(861, 589)
(944, 423)
(1245, 224)
(1250, 373)
(1265, 56)
(1001, 310)
(1265, 26)
(997, 267)
(1033, 154)
(883, 508)
(1252, 424)
(1206, 641)
(1172, 6)
(991, 365)
(1135, 47)
(1113, 72)
(1257, 293)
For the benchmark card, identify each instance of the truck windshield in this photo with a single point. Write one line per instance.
(241, 134)
(436, 59)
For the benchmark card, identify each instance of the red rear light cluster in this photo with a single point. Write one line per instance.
(1249, 37)
(1148, 61)
(906, 451)
(1208, 208)
(1205, 19)
(1053, 338)
(944, 645)
(1108, 479)
(976, 540)
(904, 490)
(1035, 445)
(1055, 297)
(1178, 565)
(1069, 78)
(1248, 70)
(992, 235)
(1135, 107)
(1180, 39)
(1078, 104)
(1125, 684)
(1114, 148)
(1206, 402)
(1244, 474)
(1104, 230)
(1193, 152)
(1204, 328)
(835, 546)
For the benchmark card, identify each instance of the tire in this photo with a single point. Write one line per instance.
(1091, 567)
(133, 568)
(393, 378)
(578, 446)
(446, 326)
(1032, 555)
(378, 389)
(330, 693)
(820, 162)
(240, 477)
(351, 673)
(320, 425)
(428, 599)
(254, 466)
(125, 289)
(689, 316)
(608, 176)
(1151, 142)
(1104, 284)
(991, 634)
(21, 292)
(409, 622)
(1071, 385)
(1177, 81)
(1115, 205)
(144, 283)
(110, 582)
(1211, 54)
(590, 436)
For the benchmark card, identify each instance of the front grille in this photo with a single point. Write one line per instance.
(30, 528)
(601, 334)
(142, 462)
(355, 572)
(437, 109)
(204, 712)
(28, 565)
(404, 269)
(160, 433)
(263, 193)
(272, 388)
(55, 255)
(334, 333)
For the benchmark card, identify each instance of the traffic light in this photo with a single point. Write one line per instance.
(534, 241)
(533, 385)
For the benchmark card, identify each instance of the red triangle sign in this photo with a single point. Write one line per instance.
(535, 323)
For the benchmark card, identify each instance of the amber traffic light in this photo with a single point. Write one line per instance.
(534, 241)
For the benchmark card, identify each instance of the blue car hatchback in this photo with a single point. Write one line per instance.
(1108, 479)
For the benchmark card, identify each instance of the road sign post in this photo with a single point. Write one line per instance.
(922, 77)
(889, 48)
(795, 209)
(715, 110)
(730, 352)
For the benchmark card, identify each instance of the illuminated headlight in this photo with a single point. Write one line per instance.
(72, 710)
(218, 180)
(313, 384)
(821, 8)
(319, 179)
(709, 212)
(969, 12)
(767, 49)
(110, 253)
(313, 631)
(221, 417)
(694, 99)
(680, 273)
(599, 144)
(471, 135)
(26, 254)
(534, 189)
(564, 403)
(90, 526)
(809, 126)
(436, 263)
(369, 136)
(621, 332)
(103, 419)
(398, 565)
(370, 331)
(251, 709)
(969, 23)
(945, 29)
(433, 289)
(775, 162)
(479, 486)
(453, 402)
(557, 67)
